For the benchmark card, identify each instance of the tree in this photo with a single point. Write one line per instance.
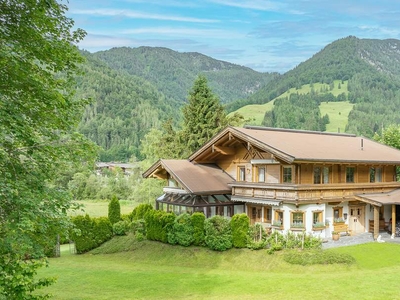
(203, 116)
(114, 210)
(38, 115)
(390, 136)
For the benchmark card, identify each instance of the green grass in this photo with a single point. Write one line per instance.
(254, 114)
(152, 270)
(338, 113)
(96, 208)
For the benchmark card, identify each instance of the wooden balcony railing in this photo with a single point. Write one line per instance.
(309, 193)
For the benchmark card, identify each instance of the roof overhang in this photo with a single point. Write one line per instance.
(256, 201)
(379, 199)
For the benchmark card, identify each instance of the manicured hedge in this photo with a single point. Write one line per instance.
(198, 219)
(182, 231)
(140, 210)
(240, 227)
(218, 233)
(90, 233)
(158, 224)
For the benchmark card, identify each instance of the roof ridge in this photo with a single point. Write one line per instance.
(298, 131)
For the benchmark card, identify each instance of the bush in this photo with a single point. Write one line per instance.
(114, 210)
(240, 226)
(121, 228)
(218, 233)
(140, 210)
(277, 241)
(198, 219)
(90, 233)
(138, 226)
(313, 257)
(182, 231)
(256, 237)
(158, 223)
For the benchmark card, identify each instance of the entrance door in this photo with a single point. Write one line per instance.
(256, 214)
(357, 219)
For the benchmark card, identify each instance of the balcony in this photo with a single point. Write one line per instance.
(309, 193)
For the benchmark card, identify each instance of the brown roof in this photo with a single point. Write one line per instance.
(195, 178)
(300, 145)
(379, 199)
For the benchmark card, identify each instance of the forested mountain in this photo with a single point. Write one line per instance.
(173, 73)
(124, 109)
(372, 68)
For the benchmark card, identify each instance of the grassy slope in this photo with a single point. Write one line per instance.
(254, 114)
(152, 270)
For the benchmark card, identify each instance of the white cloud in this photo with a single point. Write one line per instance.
(138, 15)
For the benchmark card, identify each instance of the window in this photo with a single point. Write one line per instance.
(317, 175)
(261, 174)
(297, 219)
(287, 174)
(317, 217)
(278, 218)
(338, 214)
(321, 175)
(242, 174)
(350, 174)
(375, 174)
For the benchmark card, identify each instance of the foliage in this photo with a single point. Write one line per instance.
(313, 257)
(198, 219)
(158, 224)
(256, 237)
(121, 227)
(88, 233)
(218, 234)
(390, 136)
(182, 231)
(38, 116)
(240, 226)
(278, 241)
(21, 286)
(139, 211)
(173, 72)
(203, 116)
(114, 210)
(138, 227)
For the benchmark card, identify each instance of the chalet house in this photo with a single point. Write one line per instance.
(126, 168)
(287, 180)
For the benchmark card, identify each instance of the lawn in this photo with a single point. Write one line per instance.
(338, 113)
(152, 270)
(97, 208)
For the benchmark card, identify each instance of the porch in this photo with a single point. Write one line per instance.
(362, 238)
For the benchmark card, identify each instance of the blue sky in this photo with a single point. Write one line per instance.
(267, 36)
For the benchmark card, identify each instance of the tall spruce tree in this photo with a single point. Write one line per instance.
(203, 116)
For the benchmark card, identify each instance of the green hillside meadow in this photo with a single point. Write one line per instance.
(152, 270)
(338, 111)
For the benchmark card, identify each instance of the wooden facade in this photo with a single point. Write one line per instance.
(298, 180)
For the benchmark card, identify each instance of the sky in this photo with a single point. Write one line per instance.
(267, 36)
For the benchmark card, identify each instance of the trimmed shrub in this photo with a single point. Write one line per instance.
(313, 257)
(140, 210)
(240, 224)
(182, 231)
(138, 226)
(103, 230)
(198, 219)
(90, 233)
(114, 210)
(120, 228)
(158, 223)
(218, 233)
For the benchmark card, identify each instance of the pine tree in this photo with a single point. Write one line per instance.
(203, 116)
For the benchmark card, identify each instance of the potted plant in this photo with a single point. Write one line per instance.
(297, 226)
(277, 224)
(338, 220)
(335, 235)
(318, 226)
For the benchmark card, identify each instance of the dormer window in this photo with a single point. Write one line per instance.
(241, 173)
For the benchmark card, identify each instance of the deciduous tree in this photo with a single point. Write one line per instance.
(38, 114)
